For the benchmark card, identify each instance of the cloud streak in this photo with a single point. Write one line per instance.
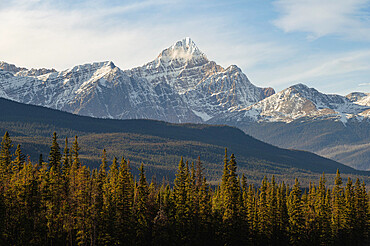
(345, 18)
(364, 84)
(61, 34)
(40, 34)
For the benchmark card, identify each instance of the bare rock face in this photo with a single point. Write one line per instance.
(266, 92)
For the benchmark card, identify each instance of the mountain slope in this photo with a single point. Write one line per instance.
(206, 87)
(303, 118)
(160, 144)
(359, 98)
(296, 102)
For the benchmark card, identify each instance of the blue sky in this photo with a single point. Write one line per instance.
(322, 43)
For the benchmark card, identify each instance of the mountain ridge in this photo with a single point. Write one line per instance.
(174, 87)
(182, 85)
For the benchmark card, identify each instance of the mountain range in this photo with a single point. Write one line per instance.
(183, 85)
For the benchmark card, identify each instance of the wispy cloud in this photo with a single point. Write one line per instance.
(345, 18)
(364, 84)
(43, 33)
(331, 73)
(61, 34)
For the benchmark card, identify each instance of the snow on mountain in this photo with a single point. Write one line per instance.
(180, 85)
(98, 90)
(206, 87)
(296, 102)
(359, 98)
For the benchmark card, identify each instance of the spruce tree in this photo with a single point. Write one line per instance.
(225, 174)
(19, 160)
(74, 154)
(349, 212)
(181, 193)
(124, 203)
(263, 214)
(296, 219)
(323, 212)
(142, 213)
(55, 156)
(232, 204)
(66, 165)
(5, 159)
(338, 209)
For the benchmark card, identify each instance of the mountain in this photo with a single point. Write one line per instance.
(160, 145)
(180, 85)
(300, 117)
(183, 85)
(359, 98)
(206, 87)
(300, 101)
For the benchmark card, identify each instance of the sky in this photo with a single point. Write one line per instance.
(324, 44)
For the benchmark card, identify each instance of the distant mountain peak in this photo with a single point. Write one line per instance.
(21, 71)
(93, 66)
(301, 87)
(184, 50)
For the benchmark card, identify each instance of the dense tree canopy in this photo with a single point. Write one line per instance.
(62, 202)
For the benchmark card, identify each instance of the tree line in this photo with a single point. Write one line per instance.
(62, 202)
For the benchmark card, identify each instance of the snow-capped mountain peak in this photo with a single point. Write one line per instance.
(182, 51)
(299, 101)
(21, 71)
(359, 98)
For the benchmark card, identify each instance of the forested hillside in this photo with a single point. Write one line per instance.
(59, 201)
(160, 145)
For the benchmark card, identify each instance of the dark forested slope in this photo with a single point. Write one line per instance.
(159, 144)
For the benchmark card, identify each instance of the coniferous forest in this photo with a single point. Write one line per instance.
(59, 201)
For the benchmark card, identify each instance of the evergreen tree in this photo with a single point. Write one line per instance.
(296, 219)
(251, 213)
(273, 211)
(19, 160)
(41, 160)
(60, 202)
(181, 194)
(5, 159)
(99, 221)
(232, 204)
(74, 154)
(349, 212)
(338, 208)
(264, 222)
(283, 218)
(124, 203)
(55, 194)
(142, 213)
(225, 174)
(66, 165)
(323, 212)
(55, 156)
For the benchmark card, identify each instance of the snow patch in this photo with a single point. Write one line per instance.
(202, 115)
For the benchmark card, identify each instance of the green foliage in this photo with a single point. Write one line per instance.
(68, 204)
